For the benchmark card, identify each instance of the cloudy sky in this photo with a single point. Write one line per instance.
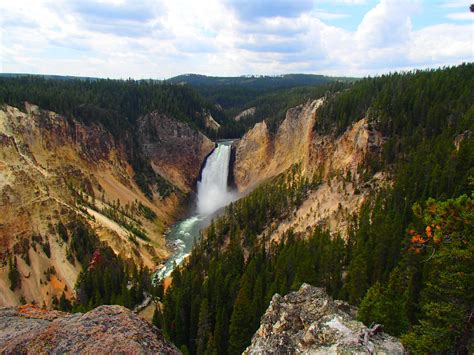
(163, 38)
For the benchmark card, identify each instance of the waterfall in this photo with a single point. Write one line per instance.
(212, 190)
(212, 195)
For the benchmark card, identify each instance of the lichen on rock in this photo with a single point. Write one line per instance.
(310, 321)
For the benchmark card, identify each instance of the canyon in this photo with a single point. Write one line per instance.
(49, 163)
(350, 191)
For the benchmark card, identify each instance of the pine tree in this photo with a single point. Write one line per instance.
(448, 298)
(204, 327)
(157, 319)
(64, 303)
(386, 306)
(221, 331)
(240, 331)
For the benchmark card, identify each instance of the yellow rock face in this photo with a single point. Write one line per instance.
(45, 161)
(260, 156)
(176, 151)
(334, 161)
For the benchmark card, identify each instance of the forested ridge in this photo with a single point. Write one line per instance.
(408, 261)
(271, 96)
(256, 82)
(272, 106)
(116, 104)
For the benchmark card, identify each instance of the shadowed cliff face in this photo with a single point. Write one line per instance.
(106, 329)
(175, 150)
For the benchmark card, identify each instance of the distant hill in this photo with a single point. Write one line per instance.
(51, 77)
(255, 82)
(258, 82)
(270, 95)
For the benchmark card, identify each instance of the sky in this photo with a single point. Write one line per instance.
(163, 38)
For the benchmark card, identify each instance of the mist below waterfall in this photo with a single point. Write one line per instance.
(212, 190)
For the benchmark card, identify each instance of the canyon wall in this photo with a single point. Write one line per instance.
(175, 149)
(337, 164)
(56, 169)
(261, 154)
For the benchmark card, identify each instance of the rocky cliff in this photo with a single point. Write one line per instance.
(175, 150)
(106, 329)
(309, 321)
(338, 165)
(245, 114)
(260, 155)
(55, 169)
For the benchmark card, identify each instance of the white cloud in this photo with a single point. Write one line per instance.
(346, 2)
(210, 37)
(386, 25)
(325, 15)
(436, 44)
(385, 41)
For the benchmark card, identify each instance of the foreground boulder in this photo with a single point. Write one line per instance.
(310, 321)
(106, 329)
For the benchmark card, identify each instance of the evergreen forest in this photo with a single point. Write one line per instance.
(408, 260)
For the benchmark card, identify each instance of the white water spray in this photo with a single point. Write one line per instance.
(212, 189)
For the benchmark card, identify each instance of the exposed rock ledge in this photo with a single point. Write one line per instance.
(309, 321)
(106, 329)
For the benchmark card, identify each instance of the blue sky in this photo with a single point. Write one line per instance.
(163, 38)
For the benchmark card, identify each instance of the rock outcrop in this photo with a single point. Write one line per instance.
(245, 114)
(260, 155)
(461, 137)
(106, 329)
(331, 155)
(211, 123)
(309, 321)
(175, 150)
(252, 155)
